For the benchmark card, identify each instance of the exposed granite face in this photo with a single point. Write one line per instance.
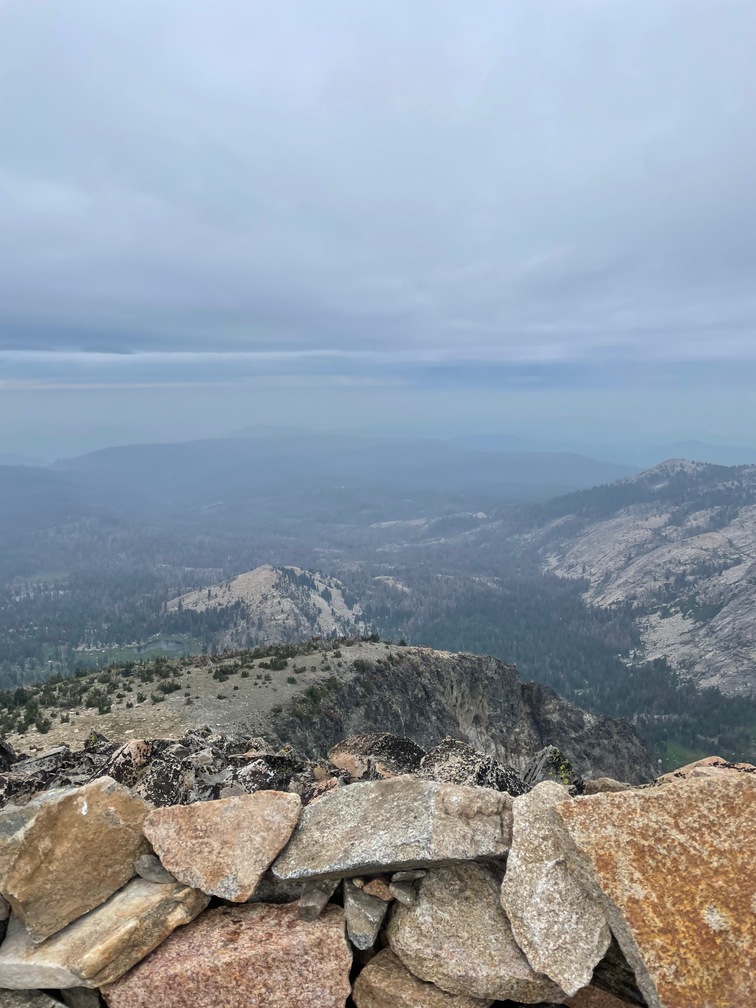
(458, 937)
(386, 983)
(223, 847)
(103, 944)
(560, 927)
(673, 870)
(66, 852)
(393, 824)
(426, 694)
(255, 954)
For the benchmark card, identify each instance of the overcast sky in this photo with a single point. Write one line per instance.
(512, 215)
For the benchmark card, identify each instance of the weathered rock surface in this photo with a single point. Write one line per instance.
(27, 999)
(673, 869)
(394, 824)
(376, 755)
(559, 926)
(364, 915)
(223, 847)
(458, 937)
(254, 955)
(710, 766)
(592, 997)
(457, 762)
(66, 852)
(386, 983)
(604, 785)
(102, 945)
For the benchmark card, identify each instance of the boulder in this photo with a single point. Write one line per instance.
(458, 937)
(386, 983)
(255, 954)
(673, 870)
(223, 847)
(380, 754)
(388, 825)
(561, 929)
(103, 944)
(66, 852)
(710, 766)
(604, 785)
(128, 762)
(457, 762)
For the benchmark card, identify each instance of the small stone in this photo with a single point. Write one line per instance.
(364, 915)
(253, 955)
(458, 937)
(381, 754)
(80, 997)
(405, 892)
(315, 896)
(103, 944)
(358, 881)
(408, 876)
(386, 983)
(561, 929)
(604, 785)
(672, 868)
(223, 847)
(378, 887)
(148, 867)
(457, 762)
(390, 825)
(67, 851)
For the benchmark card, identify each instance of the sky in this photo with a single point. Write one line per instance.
(529, 218)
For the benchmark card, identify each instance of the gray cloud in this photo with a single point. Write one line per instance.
(509, 181)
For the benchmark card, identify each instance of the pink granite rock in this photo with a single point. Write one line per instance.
(257, 955)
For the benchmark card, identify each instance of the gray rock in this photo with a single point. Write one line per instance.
(408, 876)
(148, 867)
(80, 997)
(364, 915)
(561, 929)
(458, 937)
(405, 892)
(27, 999)
(457, 762)
(391, 825)
(315, 896)
(377, 755)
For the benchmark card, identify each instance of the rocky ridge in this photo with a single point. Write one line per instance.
(382, 875)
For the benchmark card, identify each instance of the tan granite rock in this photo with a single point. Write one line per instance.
(710, 766)
(379, 887)
(386, 983)
(387, 825)
(458, 937)
(67, 851)
(224, 847)
(105, 943)
(253, 955)
(559, 926)
(601, 785)
(673, 869)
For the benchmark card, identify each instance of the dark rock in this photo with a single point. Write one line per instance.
(315, 895)
(364, 915)
(165, 783)
(376, 755)
(456, 762)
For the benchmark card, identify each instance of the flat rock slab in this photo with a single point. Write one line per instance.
(560, 927)
(387, 825)
(386, 983)
(224, 847)
(27, 999)
(673, 869)
(257, 955)
(102, 945)
(67, 851)
(458, 937)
